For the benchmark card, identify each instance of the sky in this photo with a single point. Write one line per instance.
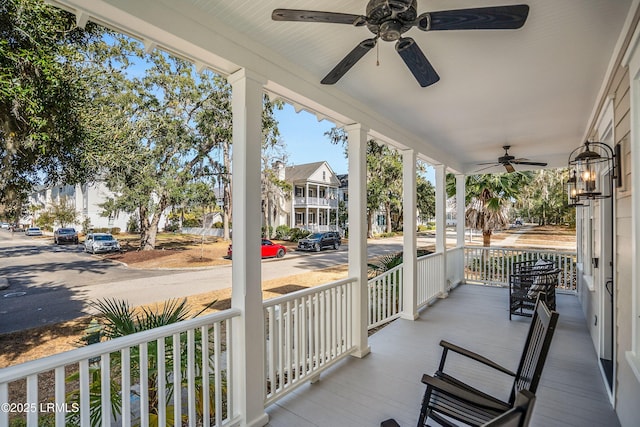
(305, 140)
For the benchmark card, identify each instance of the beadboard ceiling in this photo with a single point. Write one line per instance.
(535, 88)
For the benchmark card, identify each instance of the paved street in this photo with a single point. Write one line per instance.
(50, 283)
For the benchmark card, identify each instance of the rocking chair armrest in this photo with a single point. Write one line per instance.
(470, 354)
(461, 394)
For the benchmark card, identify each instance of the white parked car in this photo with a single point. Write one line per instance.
(33, 231)
(101, 242)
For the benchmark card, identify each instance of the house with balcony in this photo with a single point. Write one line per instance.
(314, 198)
(571, 74)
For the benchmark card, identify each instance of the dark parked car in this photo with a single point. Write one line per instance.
(268, 249)
(65, 235)
(319, 241)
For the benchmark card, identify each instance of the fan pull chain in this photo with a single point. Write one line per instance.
(377, 54)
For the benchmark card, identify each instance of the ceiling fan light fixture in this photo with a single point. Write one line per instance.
(391, 30)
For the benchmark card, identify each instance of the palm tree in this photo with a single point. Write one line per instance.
(117, 319)
(488, 199)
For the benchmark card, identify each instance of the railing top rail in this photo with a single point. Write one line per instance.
(433, 255)
(305, 292)
(22, 370)
(527, 250)
(384, 273)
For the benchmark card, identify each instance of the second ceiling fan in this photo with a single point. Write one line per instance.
(389, 19)
(508, 161)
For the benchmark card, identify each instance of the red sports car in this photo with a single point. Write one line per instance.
(269, 249)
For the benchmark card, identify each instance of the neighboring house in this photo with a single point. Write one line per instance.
(343, 190)
(314, 201)
(86, 198)
(379, 224)
(451, 211)
(380, 219)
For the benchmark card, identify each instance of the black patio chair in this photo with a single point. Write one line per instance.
(527, 281)
(448, 398)
(518, 416)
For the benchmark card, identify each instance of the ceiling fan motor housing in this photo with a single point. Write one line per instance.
(506, 159)
(389, 19)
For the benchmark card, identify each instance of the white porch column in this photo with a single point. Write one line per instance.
(410, 275)
(460, 209)
(246, 295)
(357, 149)
(441, 222)
(292, 218)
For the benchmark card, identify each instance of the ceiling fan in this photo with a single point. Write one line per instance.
(389, 19)
(508, 161)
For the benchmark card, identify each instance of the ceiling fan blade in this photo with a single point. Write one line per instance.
(348, 61)
(482, 18)
(416, 61)
(317, 16)
(509, 167)
(488, 163)
(492, 165)
(520, 162)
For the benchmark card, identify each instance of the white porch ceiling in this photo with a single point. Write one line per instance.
(535, 88)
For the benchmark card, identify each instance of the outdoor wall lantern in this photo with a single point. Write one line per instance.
(572, 191)
(593, 169)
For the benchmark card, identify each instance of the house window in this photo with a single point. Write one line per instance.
(324, 175)
(299, 192)
(299, 218)
(382, 220)
(323, 193)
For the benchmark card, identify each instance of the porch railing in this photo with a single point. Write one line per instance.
(492, 265)
(384, 296)
(181, 373)
(306, 332)
(455, 266)
(315, 201)
(430, 278)
(130, 380)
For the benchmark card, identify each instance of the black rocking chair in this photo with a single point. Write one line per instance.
(447, 398)
(518, 416)
(527, 281)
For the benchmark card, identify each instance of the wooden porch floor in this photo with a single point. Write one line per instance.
(386, 383)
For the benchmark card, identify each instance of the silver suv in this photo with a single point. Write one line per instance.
(101, 242)
(319, 241)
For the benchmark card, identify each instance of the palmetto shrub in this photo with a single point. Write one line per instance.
(118, 319)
